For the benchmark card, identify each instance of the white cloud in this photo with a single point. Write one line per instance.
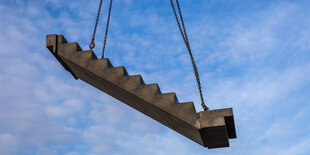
(8, 144)
(72, 153)
(69, 107)
(258, 65)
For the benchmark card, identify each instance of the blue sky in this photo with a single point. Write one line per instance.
(252, 56)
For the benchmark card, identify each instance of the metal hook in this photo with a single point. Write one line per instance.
(92, 44)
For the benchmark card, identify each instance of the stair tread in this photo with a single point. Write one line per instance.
(120, 71)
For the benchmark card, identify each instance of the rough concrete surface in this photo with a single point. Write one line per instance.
(210, 129)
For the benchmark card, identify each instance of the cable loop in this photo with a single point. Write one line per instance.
(92, 44)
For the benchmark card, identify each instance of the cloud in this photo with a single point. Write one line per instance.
(255, 62)
(8, 144)
(67, 108)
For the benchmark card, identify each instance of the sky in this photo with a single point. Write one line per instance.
(253, 56)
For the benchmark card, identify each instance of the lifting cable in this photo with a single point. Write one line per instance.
(186, 41)
(92, 44)
(183, 33)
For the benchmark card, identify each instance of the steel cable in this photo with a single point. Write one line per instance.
(186, 41)
(107, 28)
(92, 44)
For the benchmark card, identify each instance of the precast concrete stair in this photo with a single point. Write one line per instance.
(210, 129)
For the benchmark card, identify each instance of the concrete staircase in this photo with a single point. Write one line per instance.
(210, 129)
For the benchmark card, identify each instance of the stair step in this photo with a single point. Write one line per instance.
(118, 71)
(99, 65)
(84, 57)
(88, 54)
(61, 39)
(71, 47)
(187, 107)
(132, 82)
(188, 111)
(149, 91)
(165, 100)
(172, 97)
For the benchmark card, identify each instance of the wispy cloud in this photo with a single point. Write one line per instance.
(255, 60)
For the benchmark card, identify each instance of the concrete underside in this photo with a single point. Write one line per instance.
(210, 129)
